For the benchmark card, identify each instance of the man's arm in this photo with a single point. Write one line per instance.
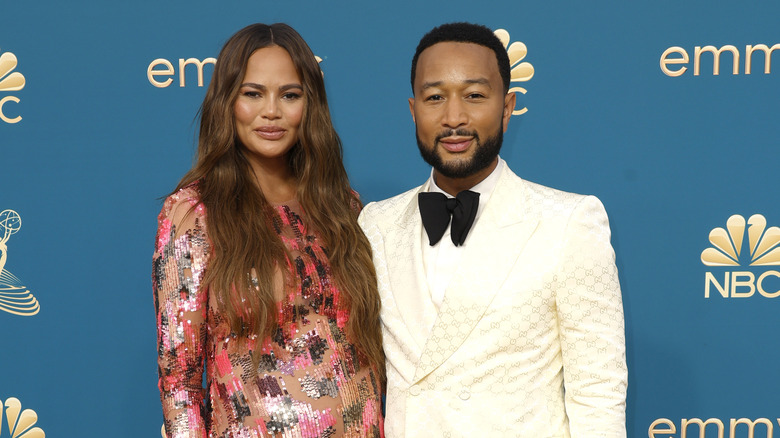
(590, 313)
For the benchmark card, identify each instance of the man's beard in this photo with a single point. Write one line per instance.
(484, 154)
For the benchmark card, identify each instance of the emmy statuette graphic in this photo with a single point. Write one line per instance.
(14, 296)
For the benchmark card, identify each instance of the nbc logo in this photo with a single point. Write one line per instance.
(14, 297)
(748, 244)
(9, 81)
(521, 71)
(20, 422)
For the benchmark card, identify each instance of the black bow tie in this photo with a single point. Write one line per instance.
(436, 210)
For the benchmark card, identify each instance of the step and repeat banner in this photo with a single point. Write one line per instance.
(667, 111)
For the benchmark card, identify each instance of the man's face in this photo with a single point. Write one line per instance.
(460, 108)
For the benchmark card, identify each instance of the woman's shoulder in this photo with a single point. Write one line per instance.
(183, 207)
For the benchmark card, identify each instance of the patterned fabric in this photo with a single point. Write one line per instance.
(310, 381)
(529, 339)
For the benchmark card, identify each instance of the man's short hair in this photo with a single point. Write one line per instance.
(465, 33)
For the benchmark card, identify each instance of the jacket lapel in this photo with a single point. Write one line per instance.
(491, 250)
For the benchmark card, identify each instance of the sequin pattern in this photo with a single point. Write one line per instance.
(310, 382)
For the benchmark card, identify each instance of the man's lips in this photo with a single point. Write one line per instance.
(270, 132)
(456, 144)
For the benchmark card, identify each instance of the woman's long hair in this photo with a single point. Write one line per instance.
(241, 235)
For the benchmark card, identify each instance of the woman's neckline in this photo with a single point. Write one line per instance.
(287, 203)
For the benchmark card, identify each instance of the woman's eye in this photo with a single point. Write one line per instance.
(291, 96)
(251, 93)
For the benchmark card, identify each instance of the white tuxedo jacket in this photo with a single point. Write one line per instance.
(529, 340)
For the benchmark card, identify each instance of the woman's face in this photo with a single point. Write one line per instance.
(269, 107)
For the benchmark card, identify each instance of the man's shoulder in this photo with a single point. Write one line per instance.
(543, 192)
(554, 206)
(548, 201)
(388, 209)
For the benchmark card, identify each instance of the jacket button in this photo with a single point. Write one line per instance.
(415, 390)
(464, 395)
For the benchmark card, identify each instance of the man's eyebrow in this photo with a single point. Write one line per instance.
(428, 85)
(478, 81)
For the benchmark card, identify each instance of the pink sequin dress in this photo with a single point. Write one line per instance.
(310, 381)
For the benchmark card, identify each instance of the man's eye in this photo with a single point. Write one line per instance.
(434, 97)
(476, 96)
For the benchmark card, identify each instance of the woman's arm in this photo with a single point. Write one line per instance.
(180, 257)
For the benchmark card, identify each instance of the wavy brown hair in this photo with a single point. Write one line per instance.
(243, 239)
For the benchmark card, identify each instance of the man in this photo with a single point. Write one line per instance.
(513, 327)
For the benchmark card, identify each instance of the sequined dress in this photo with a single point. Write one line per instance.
(310, 381)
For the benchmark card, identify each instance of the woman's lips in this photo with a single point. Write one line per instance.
(456, 144)
(270, 132)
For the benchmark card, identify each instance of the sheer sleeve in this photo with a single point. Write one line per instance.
(180, 257)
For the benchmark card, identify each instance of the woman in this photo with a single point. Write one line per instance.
(260, 268)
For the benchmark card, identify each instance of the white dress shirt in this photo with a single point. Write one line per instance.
(441, 260)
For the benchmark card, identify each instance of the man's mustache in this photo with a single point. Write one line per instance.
(458, 132)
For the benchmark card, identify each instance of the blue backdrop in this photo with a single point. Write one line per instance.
(89, 144)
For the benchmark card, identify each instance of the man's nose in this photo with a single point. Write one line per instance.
(455, 114)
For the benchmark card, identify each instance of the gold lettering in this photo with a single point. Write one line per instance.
(151, 72)
(6, 99)
(199, 64)
(710, 279)
(751, 425)
(760, 284)
(749, 283)
(520, 90)
(702, 426)
(715, 58)
(767, 56)
(665, 61)
(670, 429)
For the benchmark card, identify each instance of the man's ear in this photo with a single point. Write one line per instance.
(509, 106)
(411, 108)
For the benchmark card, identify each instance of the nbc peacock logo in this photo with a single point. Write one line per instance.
(10, 80)
(521, 71)
(20, 422)
(747, 244)
(14, 296)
